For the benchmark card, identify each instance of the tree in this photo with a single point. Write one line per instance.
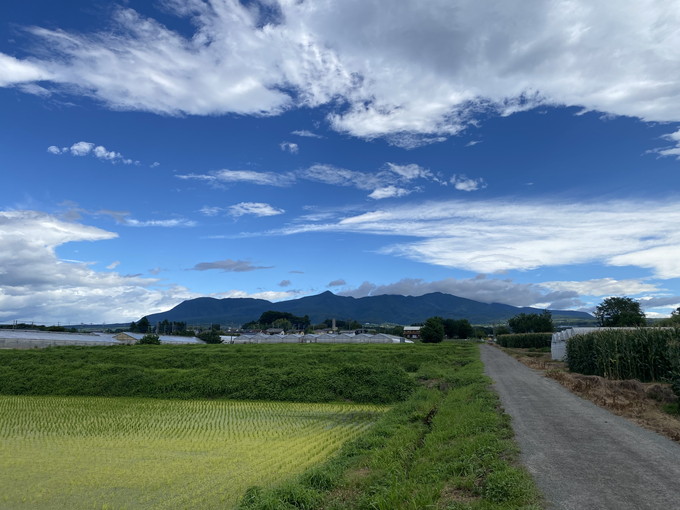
(143, 325)
(532, 323)
(433, 330)
(283, 324)
(149, 340)
(619, 312)
(460, 328)
(210, 336)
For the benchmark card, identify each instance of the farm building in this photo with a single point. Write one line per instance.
(28, 339)
(325, 338)
(412, 332)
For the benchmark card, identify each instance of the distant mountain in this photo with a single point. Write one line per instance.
(373, 309)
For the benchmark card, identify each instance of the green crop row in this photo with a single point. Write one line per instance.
(646, 354)
(525, 340)
(295, 373)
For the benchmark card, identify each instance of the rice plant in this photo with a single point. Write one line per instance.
(115, 453)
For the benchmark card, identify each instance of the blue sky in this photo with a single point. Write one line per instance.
(518, 152)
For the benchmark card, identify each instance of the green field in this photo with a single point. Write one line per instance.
(90, 452)
(256, 427)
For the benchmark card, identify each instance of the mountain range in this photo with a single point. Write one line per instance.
(393, 309)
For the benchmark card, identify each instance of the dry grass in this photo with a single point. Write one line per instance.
(642, 403)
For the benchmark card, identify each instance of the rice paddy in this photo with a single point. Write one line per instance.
(125, 453)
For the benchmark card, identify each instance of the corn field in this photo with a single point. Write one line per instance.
(118, 453)
(646, 354)
(525, 340)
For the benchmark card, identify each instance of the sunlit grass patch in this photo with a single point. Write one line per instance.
(92, 452)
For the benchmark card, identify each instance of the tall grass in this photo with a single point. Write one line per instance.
(525, 340)
(646, 354)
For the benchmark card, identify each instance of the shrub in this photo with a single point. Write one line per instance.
(525, 340)
(149, 340)
(210, 337)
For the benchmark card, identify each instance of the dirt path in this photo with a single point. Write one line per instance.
(581, 456)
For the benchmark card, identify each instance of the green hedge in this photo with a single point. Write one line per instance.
(525, 340)
(646, 354)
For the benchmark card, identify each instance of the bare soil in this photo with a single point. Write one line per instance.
(642, 403)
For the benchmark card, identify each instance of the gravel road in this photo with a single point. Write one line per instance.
(581, 456)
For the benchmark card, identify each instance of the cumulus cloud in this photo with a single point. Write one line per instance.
(495, 236)
(556, 295)
(37, 285)
(479, 288)
(254, 208)
(336, 283)
(227, 265)
(291, 147)
(90, 149)
(463, 183)
(487, 57)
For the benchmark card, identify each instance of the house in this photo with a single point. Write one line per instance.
(412, 332)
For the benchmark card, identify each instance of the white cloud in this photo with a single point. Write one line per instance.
(231, 176)
(254, 208)
(305, 133)
(88, 148)
(14, 71)
(410, 171)
(381, 183)
(494, 236)
(211, 210)
(603, 287)
(479, 288)
(36, 285)
(171, 223)
(499, 57)
(463, 183)
(389, 192)
(289, 147)
(672, 151)
(113, 265)
(81, 148)
(557, 295)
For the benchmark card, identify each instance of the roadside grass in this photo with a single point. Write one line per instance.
(449, 446)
